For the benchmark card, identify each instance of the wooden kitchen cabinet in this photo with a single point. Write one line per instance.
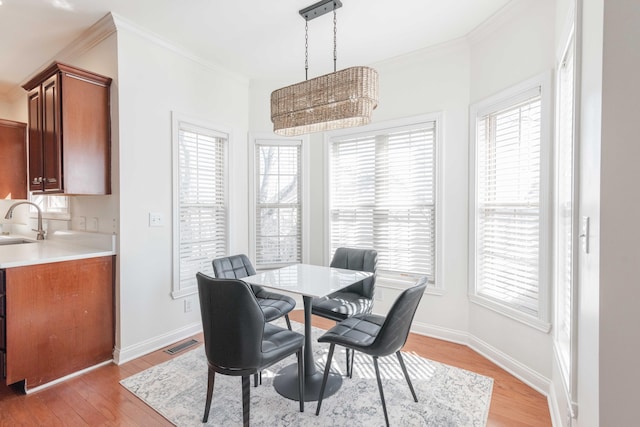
(58, 319)
(13, 160)
(69, 131)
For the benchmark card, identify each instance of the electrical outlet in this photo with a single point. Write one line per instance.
(155, 219)
(187, 305)
(82, 223)
(378, 294)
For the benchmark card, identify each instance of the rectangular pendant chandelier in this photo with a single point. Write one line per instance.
(345, 98)
(341, 99)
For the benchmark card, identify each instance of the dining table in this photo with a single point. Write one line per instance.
(309, 281)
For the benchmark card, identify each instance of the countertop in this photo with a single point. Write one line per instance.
(60, 246)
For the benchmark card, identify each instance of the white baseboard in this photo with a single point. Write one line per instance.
(525, 374)
(122, 355)
(446, 334)
(554, 410)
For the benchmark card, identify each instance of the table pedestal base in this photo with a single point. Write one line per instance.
(286, 383)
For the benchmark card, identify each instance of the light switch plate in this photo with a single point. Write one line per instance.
(155, 219)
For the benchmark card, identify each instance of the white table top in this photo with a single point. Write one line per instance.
(307, 280)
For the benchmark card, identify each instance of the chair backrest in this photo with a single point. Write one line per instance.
(358, 259)
(232, 323)
(234, 267)
(395, 330)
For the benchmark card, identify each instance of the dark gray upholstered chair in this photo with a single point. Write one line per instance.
(354, 299)
(377, 336)
(238, 340)
(273, 304)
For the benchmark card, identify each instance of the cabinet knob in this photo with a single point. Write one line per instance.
(37, 180)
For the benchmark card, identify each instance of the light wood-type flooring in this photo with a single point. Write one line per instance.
(97, 399)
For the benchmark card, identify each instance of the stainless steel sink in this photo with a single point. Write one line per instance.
(14, 241)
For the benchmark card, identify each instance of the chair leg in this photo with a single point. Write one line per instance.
(286, 317)
(353, 357)
(406, 375)
(300, 379)
(384, 405)
(207, 405)
(257, 376)
(324, 378)
(348, 353)
(246, 388)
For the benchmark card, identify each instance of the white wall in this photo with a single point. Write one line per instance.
(515, 46)
(154, 80)
(619, 340)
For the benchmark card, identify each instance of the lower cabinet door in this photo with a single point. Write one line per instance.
(60, 319)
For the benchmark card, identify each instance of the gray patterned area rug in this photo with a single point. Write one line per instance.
(447, 396)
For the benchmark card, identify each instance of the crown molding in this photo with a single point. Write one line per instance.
(497, 21)
(126, 25)
(435, 51)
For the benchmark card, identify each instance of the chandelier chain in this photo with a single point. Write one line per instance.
(306, 50)
(335, 38)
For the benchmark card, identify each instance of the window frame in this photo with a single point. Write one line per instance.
(504, 99)
(565, 348)
(178, 119)
(271, 139)
(391, 279)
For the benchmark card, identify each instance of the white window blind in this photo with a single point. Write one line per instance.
(382, 196)
(200, 217)
(278, 227)
(508, 226)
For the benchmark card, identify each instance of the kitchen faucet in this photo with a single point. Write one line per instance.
(40, 230)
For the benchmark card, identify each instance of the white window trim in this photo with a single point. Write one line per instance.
(388, 279)
(493, 103)
(304, 178)
(568, 374)
(176, 119)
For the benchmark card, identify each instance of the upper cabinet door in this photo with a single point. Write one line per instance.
(51, 135)
(35, 139)
(13, 158)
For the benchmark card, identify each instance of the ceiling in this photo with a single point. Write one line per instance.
(260, 39)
